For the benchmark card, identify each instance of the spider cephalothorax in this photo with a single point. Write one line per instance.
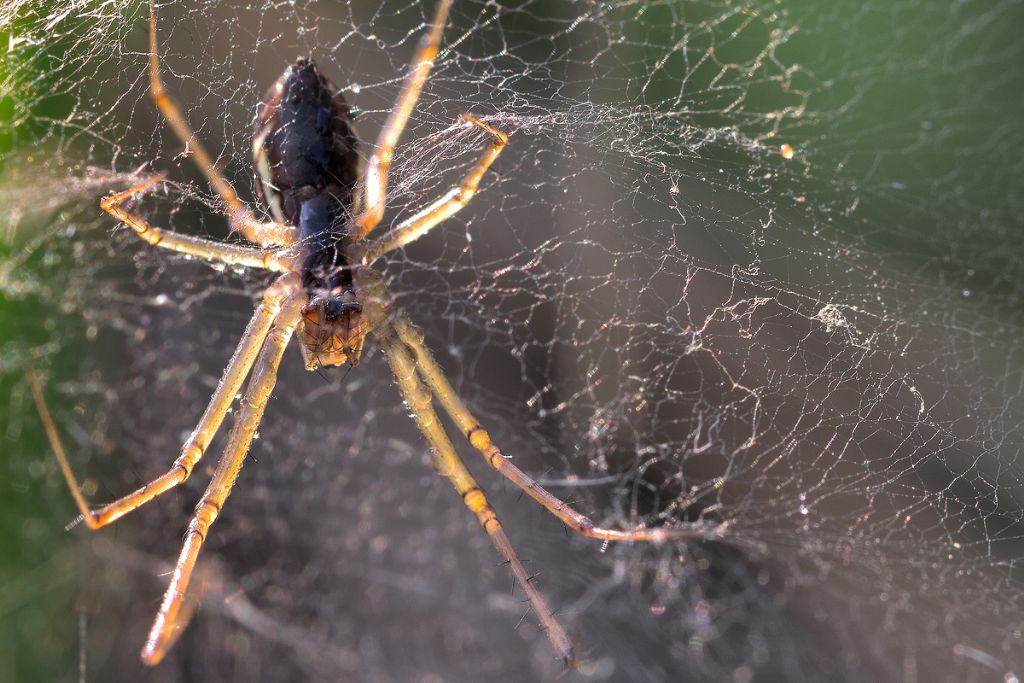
(332, 330)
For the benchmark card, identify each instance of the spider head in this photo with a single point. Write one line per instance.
(331, 331)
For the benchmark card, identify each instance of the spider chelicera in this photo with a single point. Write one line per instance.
(324, 204)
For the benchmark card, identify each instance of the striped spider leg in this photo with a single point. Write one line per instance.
(450, 203)
(195, 446)
(241, 217)
(169, 623)
(420, 378)
(268, 333)
(231, 254)
(446, 460)
(374, 183)
(431, 373)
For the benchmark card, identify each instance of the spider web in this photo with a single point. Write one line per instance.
(755, 264)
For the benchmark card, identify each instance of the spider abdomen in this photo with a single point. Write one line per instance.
(304, 146)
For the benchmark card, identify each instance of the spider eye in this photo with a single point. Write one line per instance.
(333, 309)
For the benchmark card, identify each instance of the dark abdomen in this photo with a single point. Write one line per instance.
(308, 163)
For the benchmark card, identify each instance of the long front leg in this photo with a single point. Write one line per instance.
(242, 219)
(448, 464)
(376, 178)
(447, 206)
(170, 620)
(195, 446)
(267, 259)
(479, 438)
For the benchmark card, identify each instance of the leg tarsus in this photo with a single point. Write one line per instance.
(50, 427)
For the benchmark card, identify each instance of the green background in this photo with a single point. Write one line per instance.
(930, 147)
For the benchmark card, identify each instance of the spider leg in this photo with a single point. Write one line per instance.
(441, 209)
(35, 386)
(234, 374)
(434, 377)
(267, 259)
(448, 464)
(242, 219)
(376, 177)
(170, 620)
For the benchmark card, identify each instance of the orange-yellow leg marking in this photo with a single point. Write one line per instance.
(170, 620)
(375, 180)
(442, 209)
(195, 446)
(242, 219)
(435, 379)
(448, 463)
(267, 259)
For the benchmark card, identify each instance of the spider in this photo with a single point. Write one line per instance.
(324, 204)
